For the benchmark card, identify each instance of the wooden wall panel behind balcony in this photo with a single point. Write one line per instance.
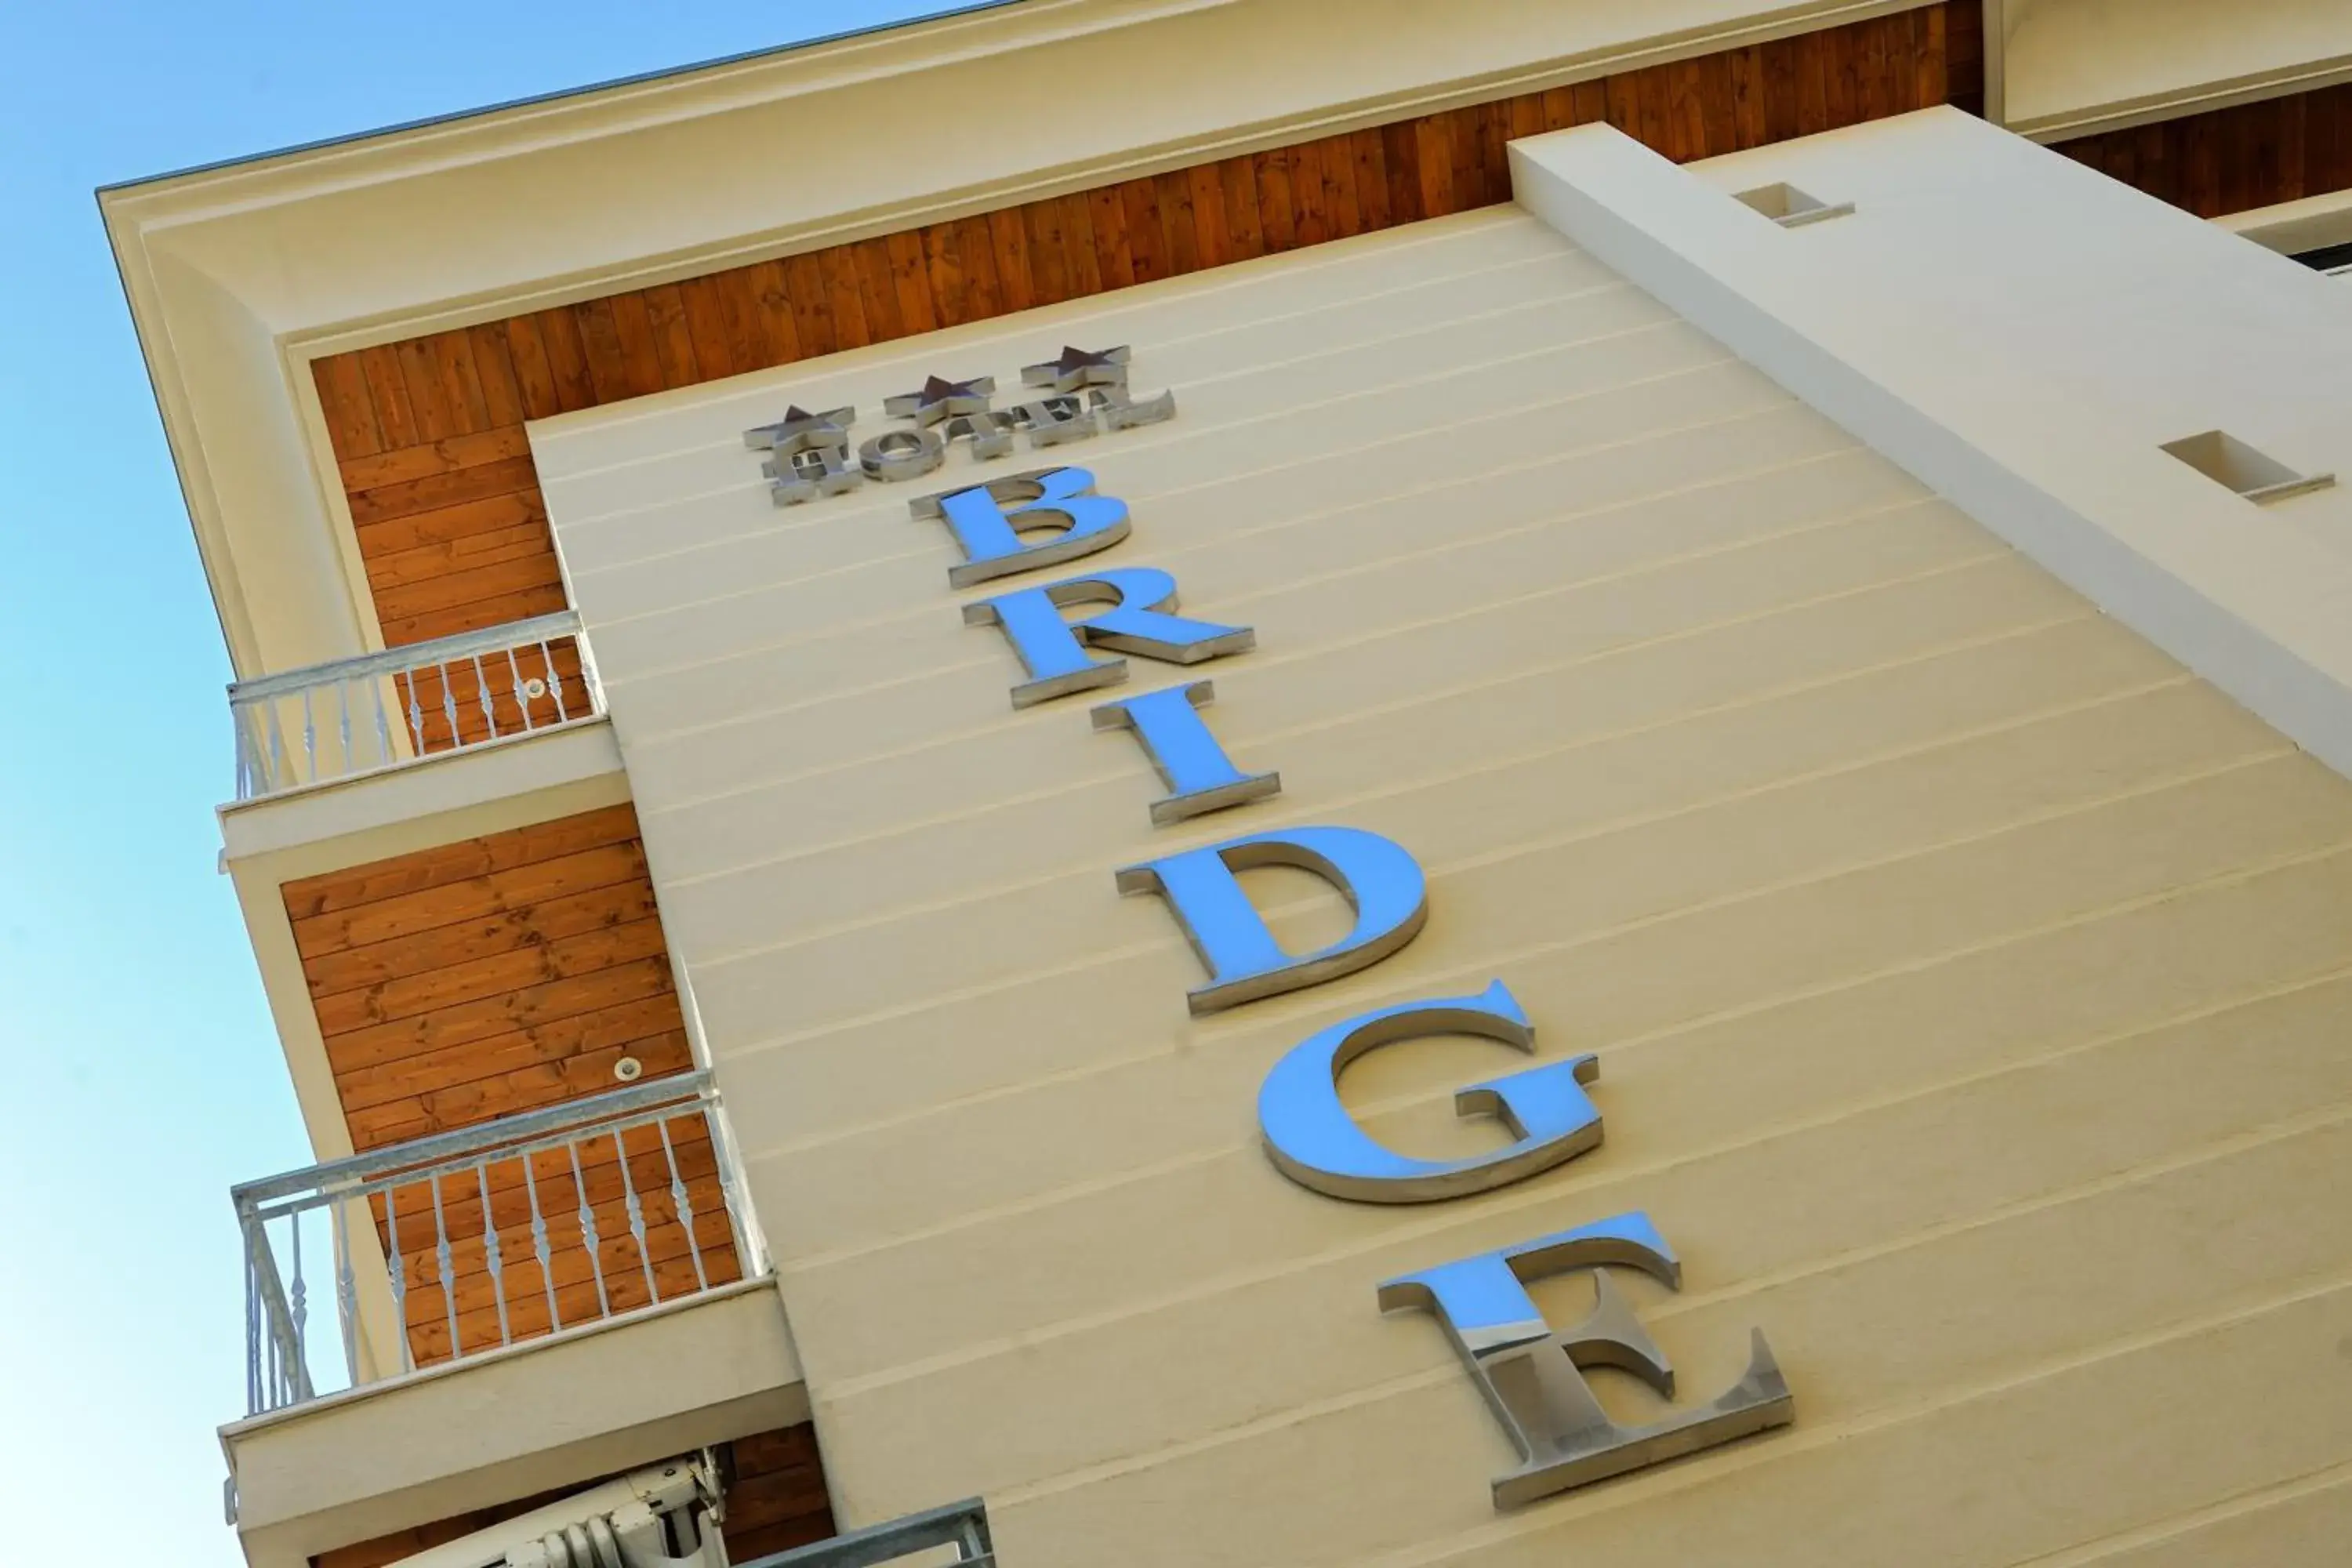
(491, 975)
(428, 432)
(500, 974)
(2233, 160)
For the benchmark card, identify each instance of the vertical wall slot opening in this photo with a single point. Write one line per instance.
(2226, 461)
(1790, 207)
(2335, 260)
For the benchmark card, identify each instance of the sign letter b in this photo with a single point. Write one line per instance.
(989, 520)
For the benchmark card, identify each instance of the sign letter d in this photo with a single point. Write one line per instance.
(1381, 882)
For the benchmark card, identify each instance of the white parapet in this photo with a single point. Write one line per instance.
(2027, 337)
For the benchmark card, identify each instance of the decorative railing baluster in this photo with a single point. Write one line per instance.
(522, 695)
(442, 1255)
(683, 1206)
(346, 1192)
(588, 1240)
(637, 1219)
(296, 1296)
(248, 755)
(256, 1400)
(554, 680)
(277, 1370)
(382, 726)
(399, 1267)
(539, 1247)
(253, 703)
(491, 1251)
(487, 703)
(415, 711)
(309, 739)
(347, 1303)
(276, 747)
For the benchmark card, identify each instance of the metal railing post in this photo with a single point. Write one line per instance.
(277, 1372)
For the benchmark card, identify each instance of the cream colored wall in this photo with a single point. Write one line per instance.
(1967, 978)
(2024, 335)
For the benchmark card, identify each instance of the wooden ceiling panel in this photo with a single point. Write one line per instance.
(428, 432)
(2233, 160)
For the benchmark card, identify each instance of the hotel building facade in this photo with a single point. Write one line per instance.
(1242, 783)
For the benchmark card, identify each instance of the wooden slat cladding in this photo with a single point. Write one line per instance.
(474, 980)
(774, 1498)
(489, 977)
(775, 1495)
(2233, 160)
(428, 432)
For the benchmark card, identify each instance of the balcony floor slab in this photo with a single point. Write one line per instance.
(547, 1414)
(448, 781)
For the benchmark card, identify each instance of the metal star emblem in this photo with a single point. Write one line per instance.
(942, 399)
(1078, 368)
(799, 430)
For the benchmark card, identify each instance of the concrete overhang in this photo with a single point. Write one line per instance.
(2073, 67)
(238, 276)
(2313, 222)
(547, 1414)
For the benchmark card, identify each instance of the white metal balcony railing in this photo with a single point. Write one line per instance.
(961, 1525)
(465, 1242)
(381, 710)
(670, 1514)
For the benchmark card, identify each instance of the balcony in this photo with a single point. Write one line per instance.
(441, 1325)
(469, 1242)
(359, 716)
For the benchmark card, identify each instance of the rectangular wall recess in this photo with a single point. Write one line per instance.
(1790, 207)
(2226, 461)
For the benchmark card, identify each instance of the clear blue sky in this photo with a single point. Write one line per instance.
(144, 1073)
